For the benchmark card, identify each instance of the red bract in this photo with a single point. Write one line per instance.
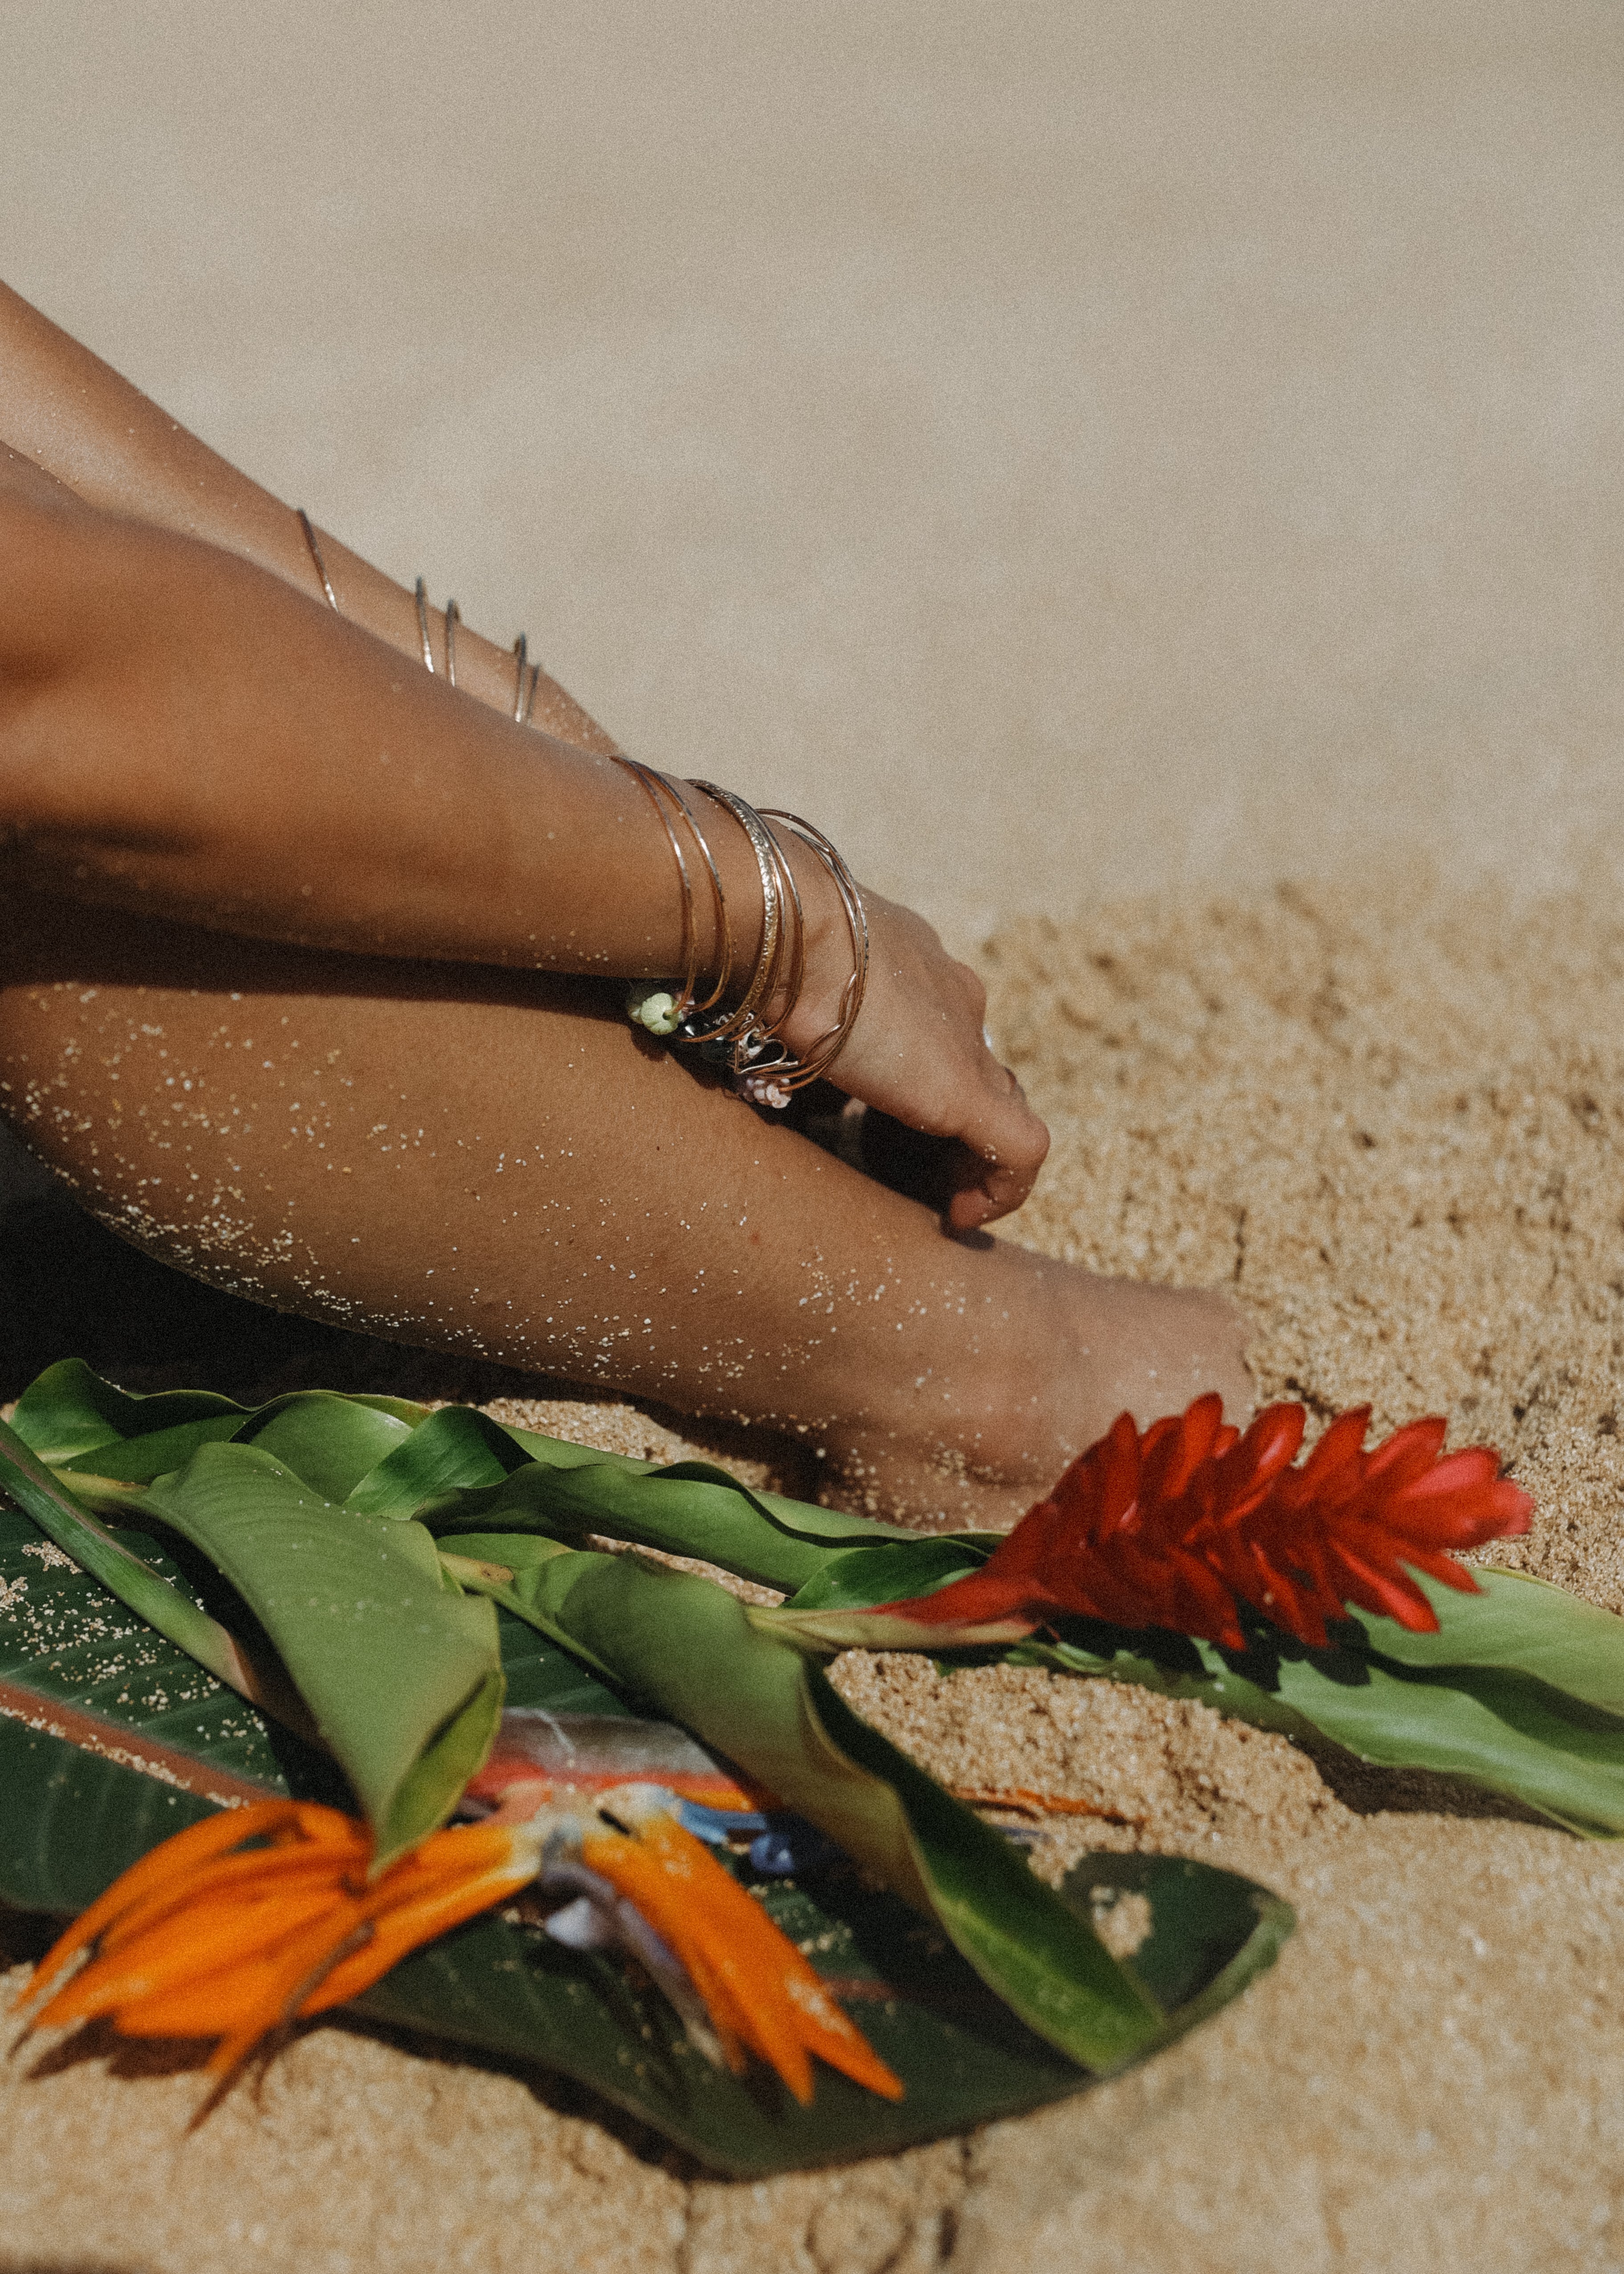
(1181, 1526)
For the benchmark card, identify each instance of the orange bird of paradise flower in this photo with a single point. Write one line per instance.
(264, 1916)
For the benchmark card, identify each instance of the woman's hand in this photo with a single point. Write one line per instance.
(919, 1049)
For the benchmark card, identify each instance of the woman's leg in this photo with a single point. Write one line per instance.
(472, 1160)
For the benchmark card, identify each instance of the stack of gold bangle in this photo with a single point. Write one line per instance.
(747, 1038)
(744, 1039)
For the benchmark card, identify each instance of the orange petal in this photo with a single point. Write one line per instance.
(213, 1951)
(404, 1927)
(770, 1996)
(260, 1876)
(302, 1965)
(159, 1868)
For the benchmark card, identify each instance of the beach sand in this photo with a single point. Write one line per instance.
(1148, 479)
(1393, 1123)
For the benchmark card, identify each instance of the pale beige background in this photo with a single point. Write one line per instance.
(1065, 448)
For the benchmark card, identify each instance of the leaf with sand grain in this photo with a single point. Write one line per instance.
(353, 1593)
(84, 1699)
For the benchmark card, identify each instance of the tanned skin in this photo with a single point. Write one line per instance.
(304, 988)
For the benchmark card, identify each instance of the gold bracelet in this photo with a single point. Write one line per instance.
(747, 1039)
(827, 1049)
(523, 703)
(655, 1007)
(740, 1027)
(719, 901)
(521, 706)
(744, 1039)
(314, 543)
(420, 593)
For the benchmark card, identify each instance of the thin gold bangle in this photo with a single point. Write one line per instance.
(454, 617)
(652, 785)
(830, 1044)
(742, 1018)
(314, 543)
(421, 596)
(718, 900)
(521, 652)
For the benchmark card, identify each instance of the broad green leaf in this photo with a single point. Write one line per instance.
(687, 1648)
(400, 1674)
(1520, 1692)
(1511, 1694)
(963, 2056)
(889, 1572)
(174, 1612)
(69, 1412)
(70, 1416)
(328, 1442)
(74, 1817)
(1505, 1695)
(688, 1507)
(453, 1449)
(72, 1657)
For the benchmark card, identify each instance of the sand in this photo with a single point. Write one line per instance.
(1393, 1123)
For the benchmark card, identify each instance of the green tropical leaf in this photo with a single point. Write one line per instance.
(86, 1692)
(1507, 1696)
(402, 1673)
(690, 1650)
(68, 1410)
(964, 2057)
(1520, 1693)
(891, 1571)
(129, 1577)
(463, 1472)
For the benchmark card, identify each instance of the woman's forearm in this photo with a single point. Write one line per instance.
(69, 412)
(183, 735)
(187, 729)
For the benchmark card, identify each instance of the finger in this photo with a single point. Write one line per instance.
(992, 1193)
(1004, 1149)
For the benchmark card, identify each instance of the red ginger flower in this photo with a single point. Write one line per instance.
(1180, 1525)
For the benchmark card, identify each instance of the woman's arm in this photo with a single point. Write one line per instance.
(187, 734)
(71, 415)
(184, 735)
